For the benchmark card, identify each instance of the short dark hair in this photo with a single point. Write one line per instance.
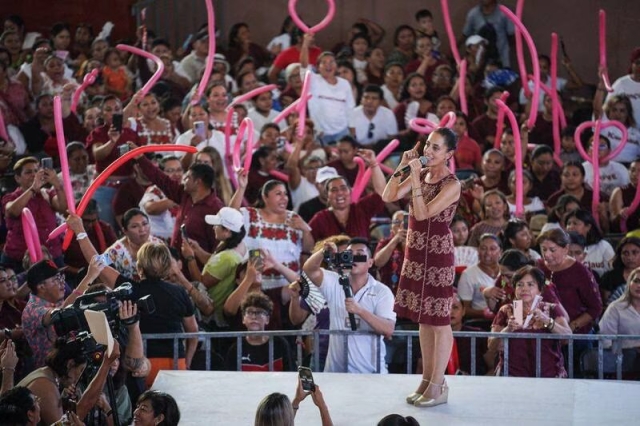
(536, 273)
(130, 214)
(161, 42)
(204, 172)
(514, 259)
(492, 91)
(578, 165)
(423, 13)
(63, 352)
(257, 300)
(577, 239)
(374, 88)
(162, 403)
(15, 404)
(541, 150)
(167, 159)
(361, 240)
(350, 140)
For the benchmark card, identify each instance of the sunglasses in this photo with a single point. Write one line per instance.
(370, 131)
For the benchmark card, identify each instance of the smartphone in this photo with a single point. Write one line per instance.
(518, 311)
(306, 379)
(46, 163)
(183, 232)
(117, 122)
(255, 254)
(104, 258)
(406, 222)
(123, 149)
(199, 129)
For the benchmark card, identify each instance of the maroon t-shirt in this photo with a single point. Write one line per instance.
(100, 135)
(128, 196)
(390, 271)
(324, 223)
(542, 133)
(349, 174)
(482, 127)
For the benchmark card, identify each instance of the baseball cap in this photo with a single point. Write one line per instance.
(229, 218)
(41, 271)
(325, 173)
(290, 69)
(474, 39)
(219, 58)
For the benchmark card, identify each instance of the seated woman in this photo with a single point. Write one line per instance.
(599, 253)
(495, 214)
(518, 236)
(614, 282)
(256, 311)
(532, 205)
(621, 199)
(155, 408)
(623, 317)
(546, 318)
(555, 218)
(475, 279)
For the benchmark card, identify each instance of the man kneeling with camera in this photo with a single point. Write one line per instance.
(356, 301)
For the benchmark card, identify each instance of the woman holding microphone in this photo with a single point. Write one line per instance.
(425, 292)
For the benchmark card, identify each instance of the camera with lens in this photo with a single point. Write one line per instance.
(71, 320)
(342, 260)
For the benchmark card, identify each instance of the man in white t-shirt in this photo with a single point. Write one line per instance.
(371, 122)
(371, 305)
(612, 173)
(262, 111)
(332, 97)
(630, 85)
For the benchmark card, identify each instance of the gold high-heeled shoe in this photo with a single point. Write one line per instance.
(411, 398)
(432, 402)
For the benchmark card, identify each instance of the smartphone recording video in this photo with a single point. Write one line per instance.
(117, 122)
(306, 379)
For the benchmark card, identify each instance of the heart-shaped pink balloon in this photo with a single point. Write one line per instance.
(327, 19)
(613, 123)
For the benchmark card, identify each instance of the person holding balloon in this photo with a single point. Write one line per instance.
(434, 193)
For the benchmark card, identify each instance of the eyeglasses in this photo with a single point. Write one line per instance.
(56, 278)
(12, 278)
(370, 131)
(256, 313)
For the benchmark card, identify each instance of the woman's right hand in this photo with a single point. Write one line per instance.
(8, 355)
(74, 222)
(409, 155)
(243, 178)
(186, 249)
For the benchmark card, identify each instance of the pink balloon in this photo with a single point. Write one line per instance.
(519, 51)
(279, 175)
(294, 106)
(159, 65)
(602, 15)
(631, 209)
(251, 94)
(448, 120)
(4, 133)
(99, 180)
(62, 152)
(462, 78)
(361, 183)
(534, 60)
(208, 66)
(228, 157)
(500, 122)
(382, 155)
(245, 127)
(555, 104)
(31, 236)
(518, 147)
(613, 154)
(316, 28)
(546, 89)
(302, 106)
(422, 125)
(444, 4)
(88, 80)
(595, 163)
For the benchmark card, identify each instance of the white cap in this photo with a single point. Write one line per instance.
(290, 69)
(475, 39)
(229, 218)
(325, 173)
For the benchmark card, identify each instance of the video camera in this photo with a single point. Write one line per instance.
(342, 260)
(71, 320)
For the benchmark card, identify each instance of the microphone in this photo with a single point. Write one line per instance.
(407, 168)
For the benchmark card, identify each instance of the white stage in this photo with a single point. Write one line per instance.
(231, 398)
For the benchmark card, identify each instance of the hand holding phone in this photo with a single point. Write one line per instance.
(199, 129)
(46, 163)
(183, 232)
(306, 379)
(116, 122)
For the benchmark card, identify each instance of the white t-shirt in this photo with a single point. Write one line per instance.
(330, 105)
(384, 125)
(161, 224)
(412, 112)
(284, 40)
(391, 101)
(472, 283)
(536, 205)
(598, 257)
(626, 86)
(260, 120)
(560, 85)
(612, 176)
(621, 318)
(376, 298)
(216, 140)
(304, 192)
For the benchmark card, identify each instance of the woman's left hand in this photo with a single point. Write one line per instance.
(541, 316)
(368, 156)
(298, 222)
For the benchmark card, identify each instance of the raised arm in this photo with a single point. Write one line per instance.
(396, 189)
(307, 41)
(377, 177)
(238, 196)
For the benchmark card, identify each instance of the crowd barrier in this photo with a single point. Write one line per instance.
(609, 361)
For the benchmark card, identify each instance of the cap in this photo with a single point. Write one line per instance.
(219, 58)
(325, 173)
(204, 34)
(290, 69)
(229, 218)
(474, 39)
(41, 271)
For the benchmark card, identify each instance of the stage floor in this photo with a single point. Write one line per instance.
(231, 398)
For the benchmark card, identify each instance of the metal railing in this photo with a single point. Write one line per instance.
(207, 337)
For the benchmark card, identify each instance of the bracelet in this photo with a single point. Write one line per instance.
(550, 325)
(190, 290)
(294, 407)
(189, 258)
(108, 413)
(8, 368)
(81, 236)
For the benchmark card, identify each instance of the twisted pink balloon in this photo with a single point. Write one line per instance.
(208, 66)
(359, 186)
(245, 127)
(602, 18)
(159, 65)
(500, 121)
(318, 27)
(31, 237)
(302, 106)
(462, 84)
(88, 80)
(359, 177)
(62, 152)
(518, 158)
(534, 60)
(519, 51)
(295, 106)
(555, 103)
(444, 4)
(587, 124)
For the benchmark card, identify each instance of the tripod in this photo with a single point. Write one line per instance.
(346, 286)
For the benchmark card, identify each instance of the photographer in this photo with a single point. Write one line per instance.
(371, 304)
(173, 308)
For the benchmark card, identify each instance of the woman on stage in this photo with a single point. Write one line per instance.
(425, 292)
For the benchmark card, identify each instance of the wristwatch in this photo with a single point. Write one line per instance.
(7, 333)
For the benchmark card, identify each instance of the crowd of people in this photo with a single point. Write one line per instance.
(267, 248)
